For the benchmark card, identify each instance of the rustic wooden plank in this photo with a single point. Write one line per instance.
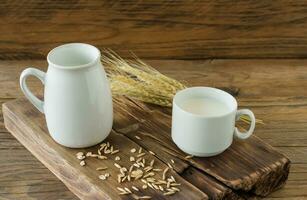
(131, 119)
(9, 142)
(24, 177)
(205, 182)
(157, 29)
(128, 123)
(28, 126)
(260, 177)
(254, 172)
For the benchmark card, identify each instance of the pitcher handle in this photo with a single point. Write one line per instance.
(39, 104)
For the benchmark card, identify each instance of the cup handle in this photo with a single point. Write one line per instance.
(247, 134)
(39, 104)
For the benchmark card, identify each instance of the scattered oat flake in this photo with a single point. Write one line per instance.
(155, 186)
(137, 137)
(152, 162)
(188, 157)
(102, 177)
(132, 159)
(149, 174)
(117, 158)
(101, 148)
(117, 165)
(140, 155)
(80, 155)
(168, 193)
(164, 173)
(102, 157)
(119, 178)
(145, 197)
(151, 152)
(82, 163)
(133, 150)
(162, 181)
(127, 189)
(144, 187)
(131, 167)
(140, 150)
(123, 170)
(150, 185)
(123, 179)
(94, 155)
(173, 178)
(121, 189)
(148, 168)
(136, 197)
(172, 161)
(150, 179)
(168, 184)
(115, 151)
(175, 189)
(101, 168)
(169, 165)
(170, 180)
(88, 154)
(135, 188)
(138, 160)
(136, 173)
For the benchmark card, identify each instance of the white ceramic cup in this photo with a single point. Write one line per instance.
(77, 97)
(202, 135)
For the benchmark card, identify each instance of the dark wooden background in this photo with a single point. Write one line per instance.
(157, 29)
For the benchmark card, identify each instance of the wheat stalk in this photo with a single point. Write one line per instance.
(137, 80)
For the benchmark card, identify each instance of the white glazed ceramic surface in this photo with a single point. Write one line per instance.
(202, 135)
(77, 97)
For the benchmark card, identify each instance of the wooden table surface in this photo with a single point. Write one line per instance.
(274, 89)
(157, 29)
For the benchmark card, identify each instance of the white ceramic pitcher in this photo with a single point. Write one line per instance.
(77, 97)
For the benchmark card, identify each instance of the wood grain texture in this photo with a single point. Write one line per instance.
(20, 181)
(157, 29)
(251, 166)
(280, 102)
(28, 126)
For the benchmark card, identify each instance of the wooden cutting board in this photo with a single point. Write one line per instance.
(249, 168)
